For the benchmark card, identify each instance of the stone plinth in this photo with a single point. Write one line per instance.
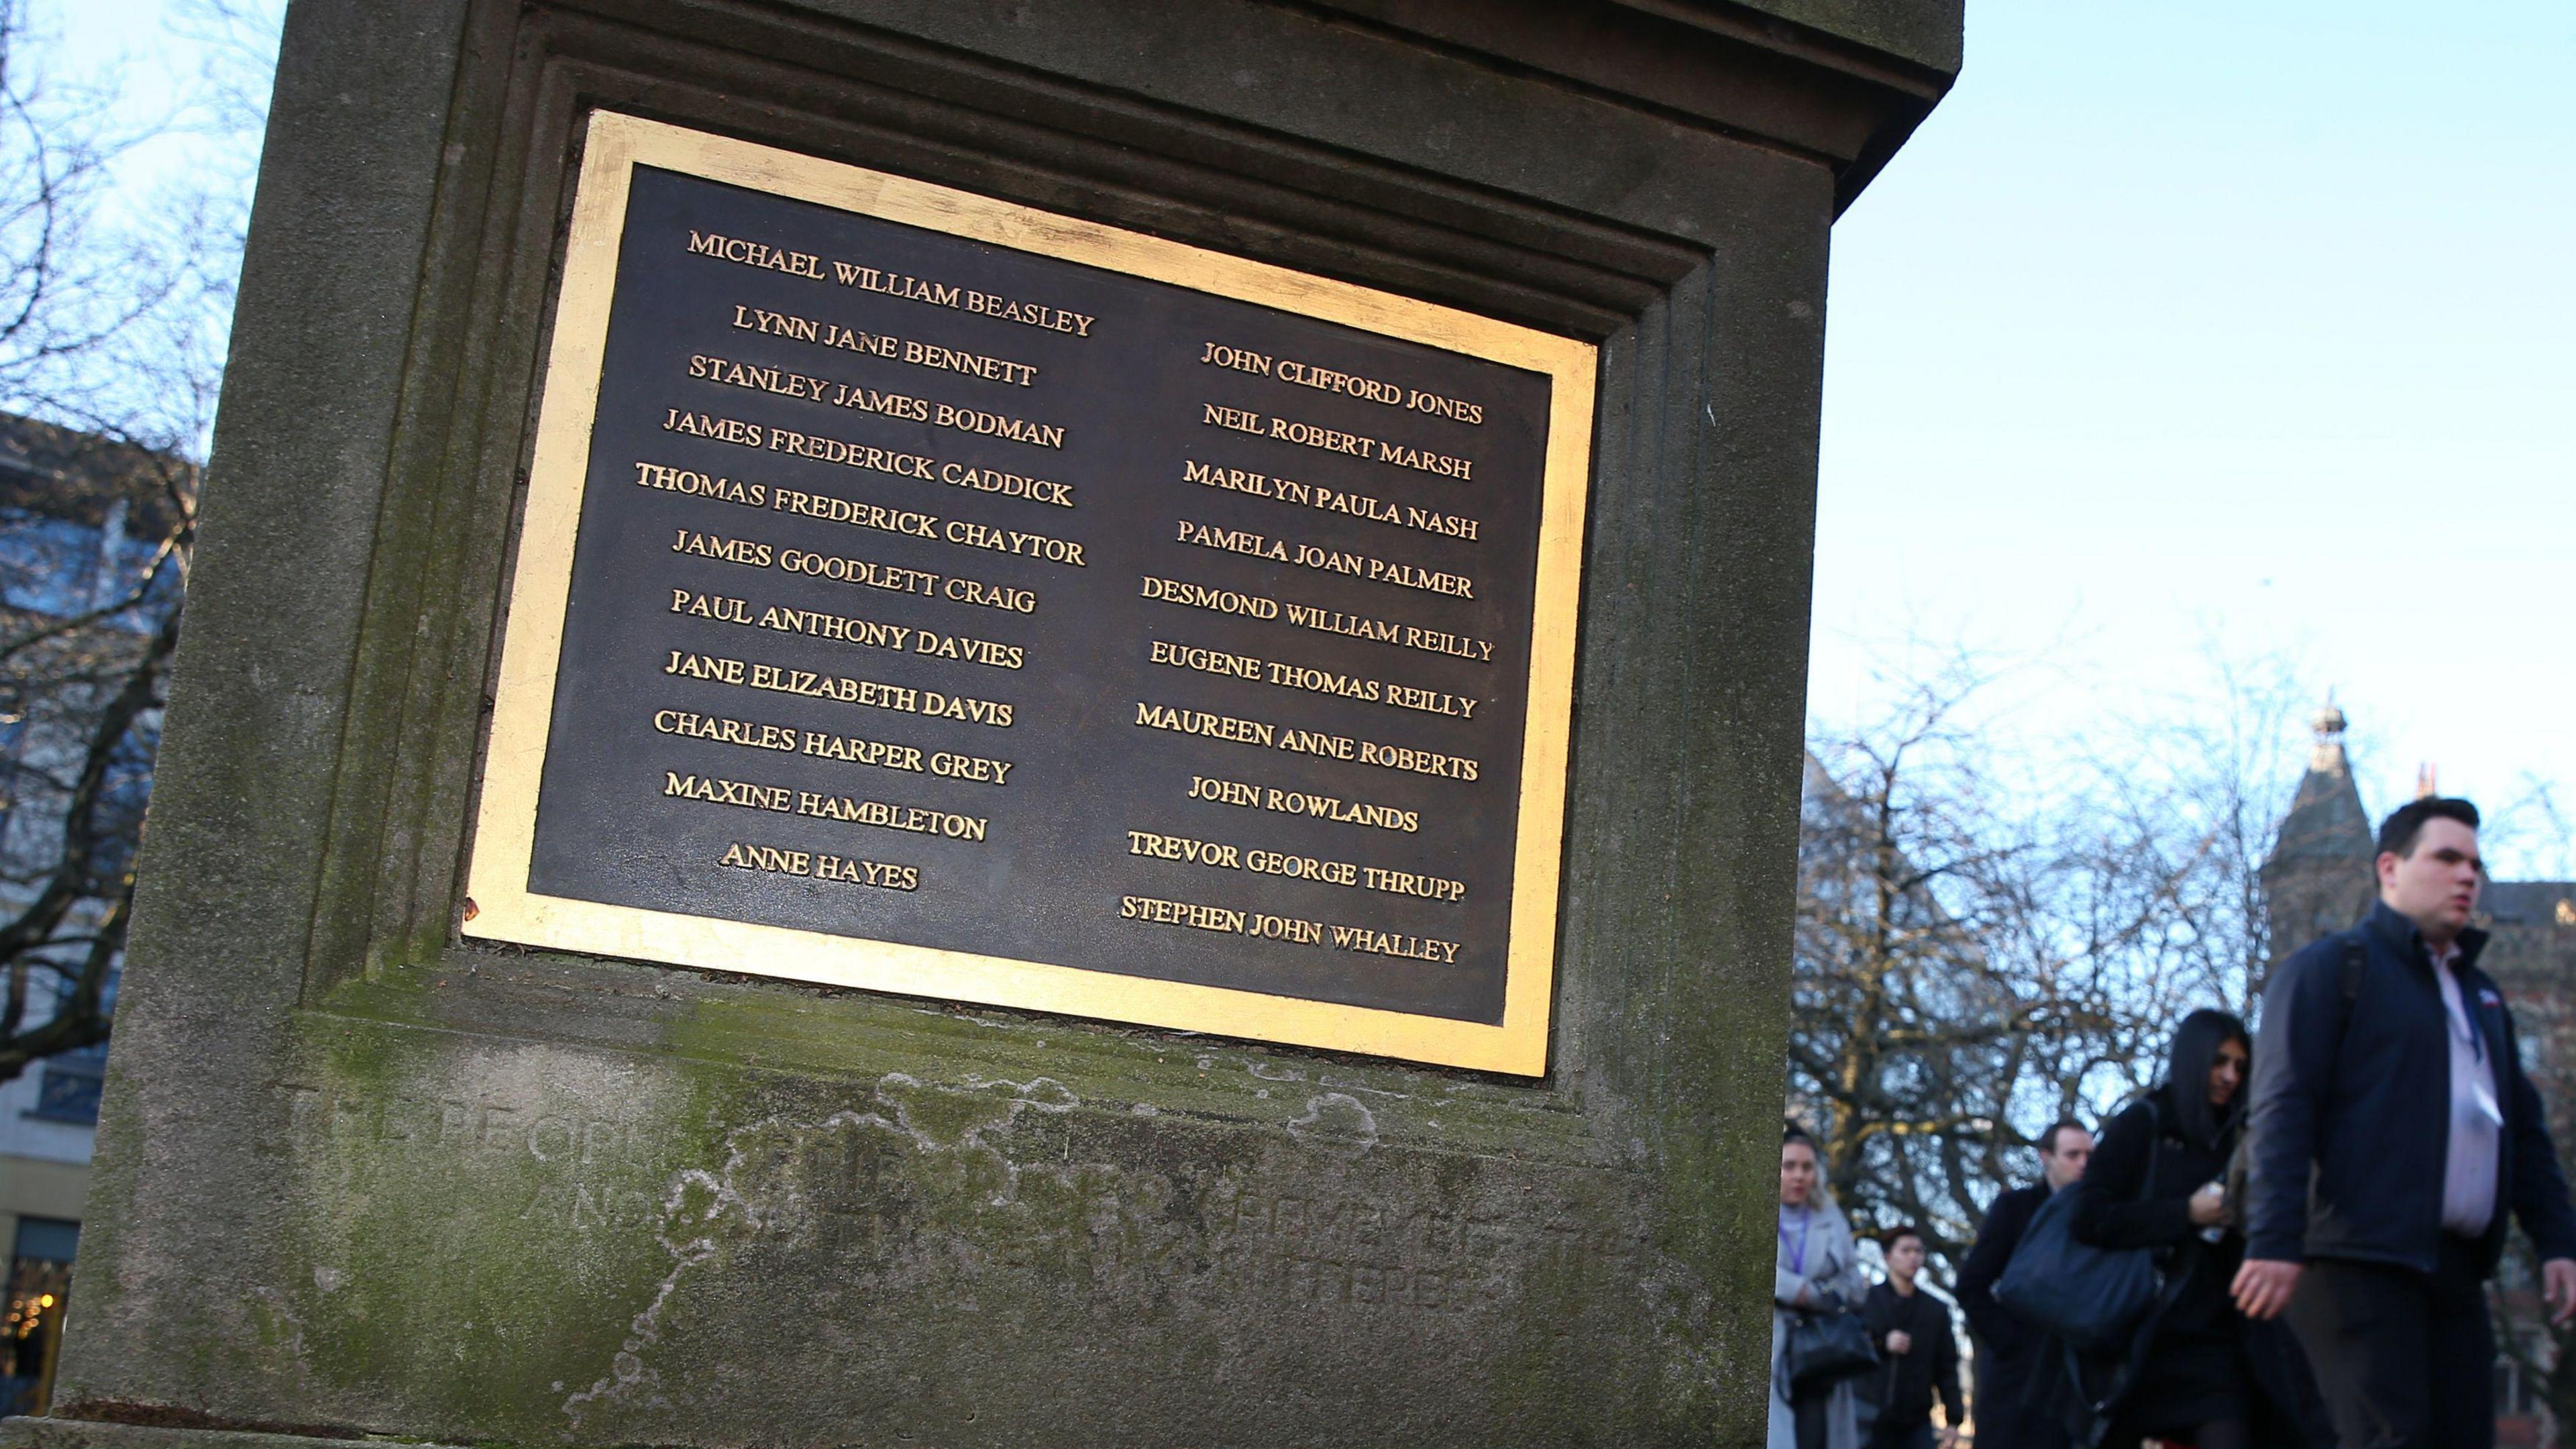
(360, 1175)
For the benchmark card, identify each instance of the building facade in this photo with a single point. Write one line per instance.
(86, 578)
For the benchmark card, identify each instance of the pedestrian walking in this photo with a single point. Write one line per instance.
(2016, 1372)
(1818, 1273)
(2393, 1129)
(2157, 1183)
(1912, 1329)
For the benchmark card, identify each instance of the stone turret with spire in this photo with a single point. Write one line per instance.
(2318, 878)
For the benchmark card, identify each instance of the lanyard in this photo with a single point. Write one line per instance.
(1797, 1252)
(2463, 1021)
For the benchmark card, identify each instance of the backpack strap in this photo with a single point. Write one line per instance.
(2350, 964)
(2155, 1145)
(2356, 959)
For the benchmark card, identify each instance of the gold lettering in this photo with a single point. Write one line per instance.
(1200, 596)
(1236, 418)
(824, 449)
(1248, 796)
(1201, 722)
(1387, 631)
(750, 734)
(1285, 928)
(717, 791)
(995, 425)
(1302, 867)
(947, 824)
(1389, 943)
(1180, 913)
(850, 869)
(1220, 355)
(948, 294)
(911, 523)
(1012, 541)
(1296, 740)
(698, 485)
(1406, 883)
(755, 254)
(856, 750)
(840, 688)
(709, 368)
(1325, 379)
(1184, 848)
(877, 344)
(1205, 661)
(767, 858)
(1007, 485)
(1360, 445)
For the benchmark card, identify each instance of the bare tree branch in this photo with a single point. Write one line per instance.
(115, 295)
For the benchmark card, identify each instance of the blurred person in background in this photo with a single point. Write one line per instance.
(1912, 1330)
(2016, 1369)
(2158, 1183)
(1818, 1271)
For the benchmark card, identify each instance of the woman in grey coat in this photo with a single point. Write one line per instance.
(1819, 1268)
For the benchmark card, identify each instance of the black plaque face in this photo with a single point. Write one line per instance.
(925, 593)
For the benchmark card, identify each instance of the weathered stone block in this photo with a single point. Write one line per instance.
(359, 1176)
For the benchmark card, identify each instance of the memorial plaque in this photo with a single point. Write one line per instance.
(925, 593)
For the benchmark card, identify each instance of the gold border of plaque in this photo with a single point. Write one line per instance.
(505, 910)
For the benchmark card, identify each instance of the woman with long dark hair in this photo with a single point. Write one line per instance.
(2157, 1181)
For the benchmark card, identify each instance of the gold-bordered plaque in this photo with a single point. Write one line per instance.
(924, 593)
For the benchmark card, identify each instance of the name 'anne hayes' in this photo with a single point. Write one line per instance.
(820, 865)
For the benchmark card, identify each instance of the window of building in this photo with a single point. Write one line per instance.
(68, 1089)
(31, 1327)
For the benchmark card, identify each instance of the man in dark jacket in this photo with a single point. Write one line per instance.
(2012, 1369)
(2393, 1129)
(1919, 1354)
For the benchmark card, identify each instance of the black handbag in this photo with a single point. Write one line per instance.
(1822, 1349)
(2094, 1299)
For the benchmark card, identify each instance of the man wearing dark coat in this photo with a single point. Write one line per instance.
(1918, 1354)
(2393, 1134)
(2014, 1408)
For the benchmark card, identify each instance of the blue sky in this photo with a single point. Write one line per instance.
(2185, 330)
(2249, 327)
